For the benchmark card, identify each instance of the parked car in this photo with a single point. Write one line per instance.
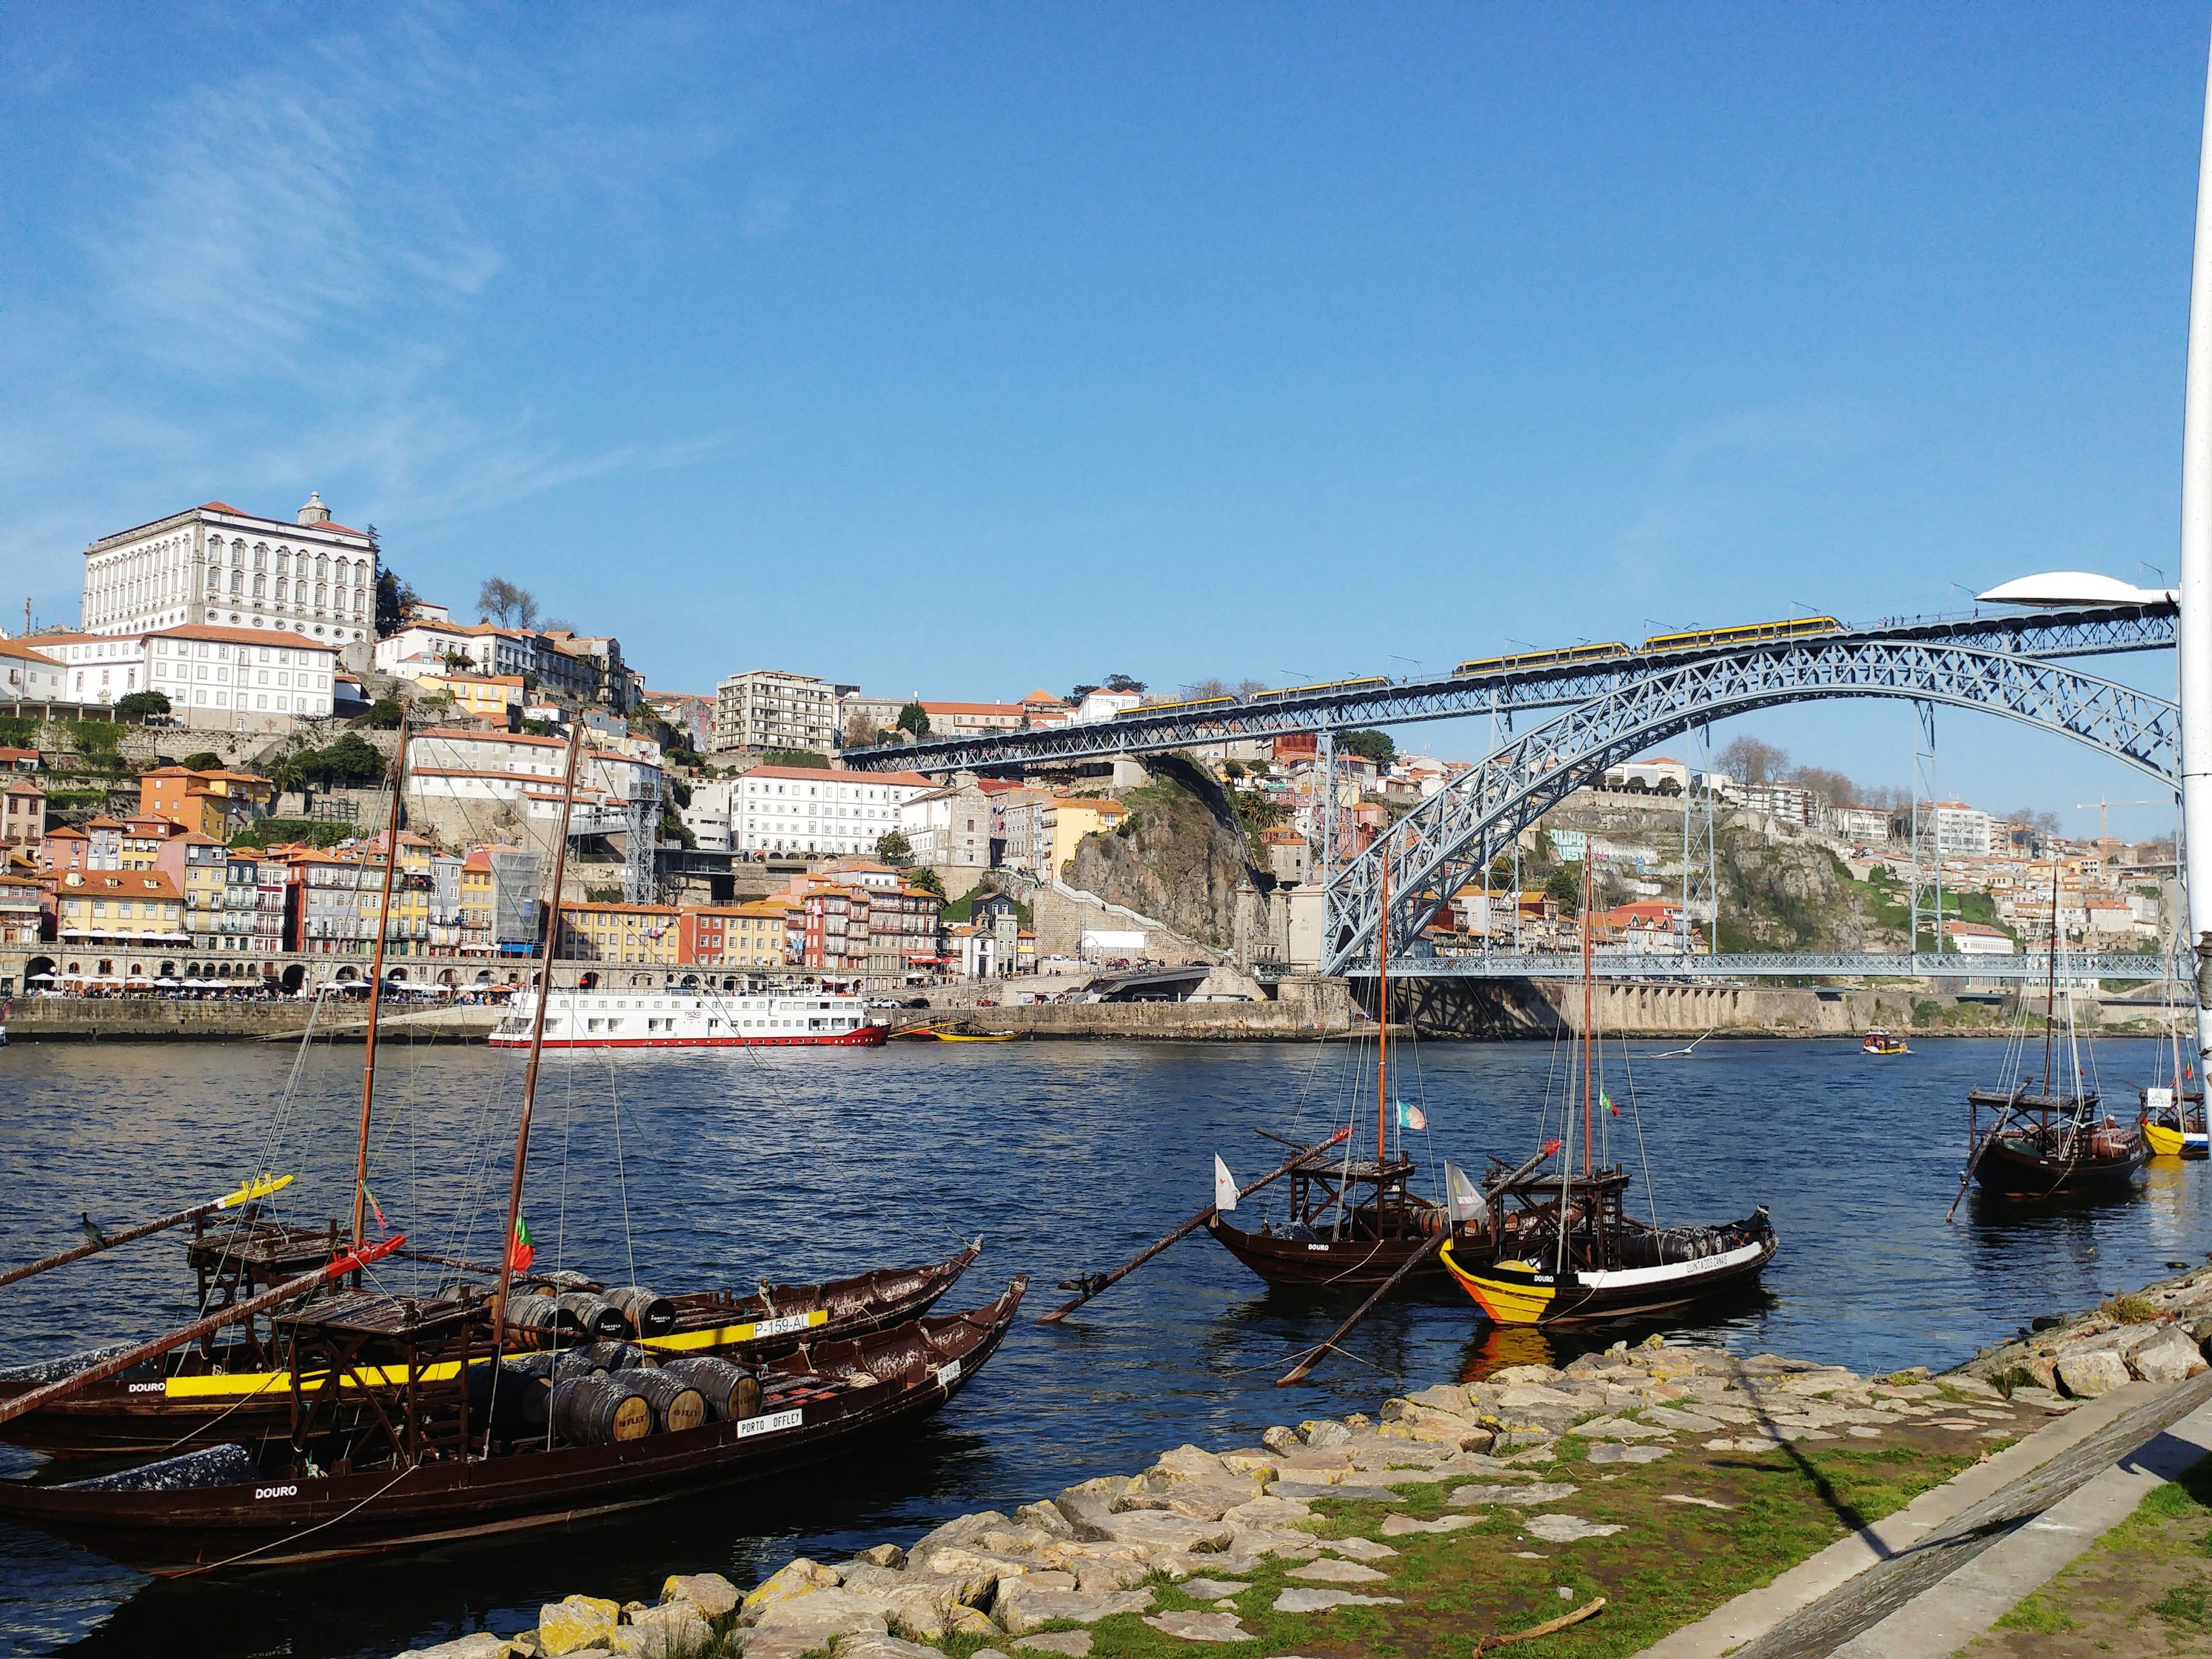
(915, 1002)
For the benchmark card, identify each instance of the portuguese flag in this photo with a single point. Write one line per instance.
(523, 1250)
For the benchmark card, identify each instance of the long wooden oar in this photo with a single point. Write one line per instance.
(100, 1372)
(1299, 1372)
(1095, 1286)
(1966, 1175)
(245, 1194)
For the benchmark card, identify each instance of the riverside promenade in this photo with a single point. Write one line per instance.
(1675, 1501)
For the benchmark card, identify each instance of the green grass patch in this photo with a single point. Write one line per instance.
(2036, 1616)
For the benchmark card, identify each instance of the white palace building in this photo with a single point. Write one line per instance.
(237, 620)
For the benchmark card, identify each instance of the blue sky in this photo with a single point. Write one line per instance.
(967, 349)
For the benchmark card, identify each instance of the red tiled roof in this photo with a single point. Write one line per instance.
(237, 635)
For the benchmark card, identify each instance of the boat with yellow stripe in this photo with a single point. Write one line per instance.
(241, 1390)
(1706, 1262)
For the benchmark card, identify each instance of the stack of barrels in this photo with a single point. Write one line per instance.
(602, 1390)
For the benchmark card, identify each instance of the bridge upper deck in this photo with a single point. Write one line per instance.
(1514, 684)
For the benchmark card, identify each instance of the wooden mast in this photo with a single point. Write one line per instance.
(376, 979)
(1589, 1169)
(2050, 985)
(536, 1042)
(1382, 1028)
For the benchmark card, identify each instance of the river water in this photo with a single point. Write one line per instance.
(1065, 1157)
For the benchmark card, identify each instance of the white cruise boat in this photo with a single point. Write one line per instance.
(691, 1019)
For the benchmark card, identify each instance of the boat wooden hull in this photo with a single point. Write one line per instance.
(1512, 1293)
(2010, 1169)
(1347, 1263)
(145, 1413)
(288, 1520)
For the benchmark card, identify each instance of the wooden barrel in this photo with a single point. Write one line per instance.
(594, 1313)
(542, 1315)
(730, 1390)
(599, 1411)
(676, 1405)
(646, 1312)
(524, 1396)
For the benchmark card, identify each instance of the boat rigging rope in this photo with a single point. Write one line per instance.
(622, 1174)
(1642, 1153)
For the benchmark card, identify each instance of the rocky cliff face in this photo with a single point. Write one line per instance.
(1786, 894)
(1183, 862)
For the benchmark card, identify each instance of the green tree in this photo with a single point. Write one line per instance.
(912, 719)
(893, 847)
(141, 705)
(351, 762)
(1123, 683)
(16, 731)
(1377, 746)
(394, 596)
(1564, 885)
(383, 714)
(202, 760)
(928, 879)
(797, 757)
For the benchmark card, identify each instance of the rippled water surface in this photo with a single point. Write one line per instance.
(1064, 1157)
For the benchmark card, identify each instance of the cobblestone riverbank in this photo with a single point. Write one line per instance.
(1650, 1484)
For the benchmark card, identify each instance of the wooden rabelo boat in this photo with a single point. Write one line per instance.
(448, 1457)
(1560, 1248)
(1603, 1264)
(238, 1389)
(2049, 1143)
(412, 1420)
(1353, 1220)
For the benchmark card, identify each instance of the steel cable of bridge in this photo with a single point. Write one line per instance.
(1441, 843)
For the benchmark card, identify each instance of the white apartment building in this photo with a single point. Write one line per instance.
(214, 566)
(242, 678)
(1861, 826)
(769, 709)
(800, 809)
(28, 674)
(1785, 801)
(1961, 831)
(430, 633)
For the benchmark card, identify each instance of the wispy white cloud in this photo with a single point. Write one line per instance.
(286, 270)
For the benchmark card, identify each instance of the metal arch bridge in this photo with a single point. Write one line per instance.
(2039, 635)
(1438, 848)
(1677, 967)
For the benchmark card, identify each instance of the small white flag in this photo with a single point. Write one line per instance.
(1225, 1186)
(1463, 1197)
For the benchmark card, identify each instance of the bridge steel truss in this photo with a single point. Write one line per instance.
(1438, 848)
(1677, 967)
(2040, 635)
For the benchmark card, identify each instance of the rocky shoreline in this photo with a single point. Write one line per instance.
(2156, 1334)
(1178, 1544)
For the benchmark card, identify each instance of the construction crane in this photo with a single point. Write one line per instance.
(2105, 813)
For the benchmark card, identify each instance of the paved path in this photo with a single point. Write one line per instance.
(1819, 1606)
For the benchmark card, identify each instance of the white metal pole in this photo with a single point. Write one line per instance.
(2195, 627)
